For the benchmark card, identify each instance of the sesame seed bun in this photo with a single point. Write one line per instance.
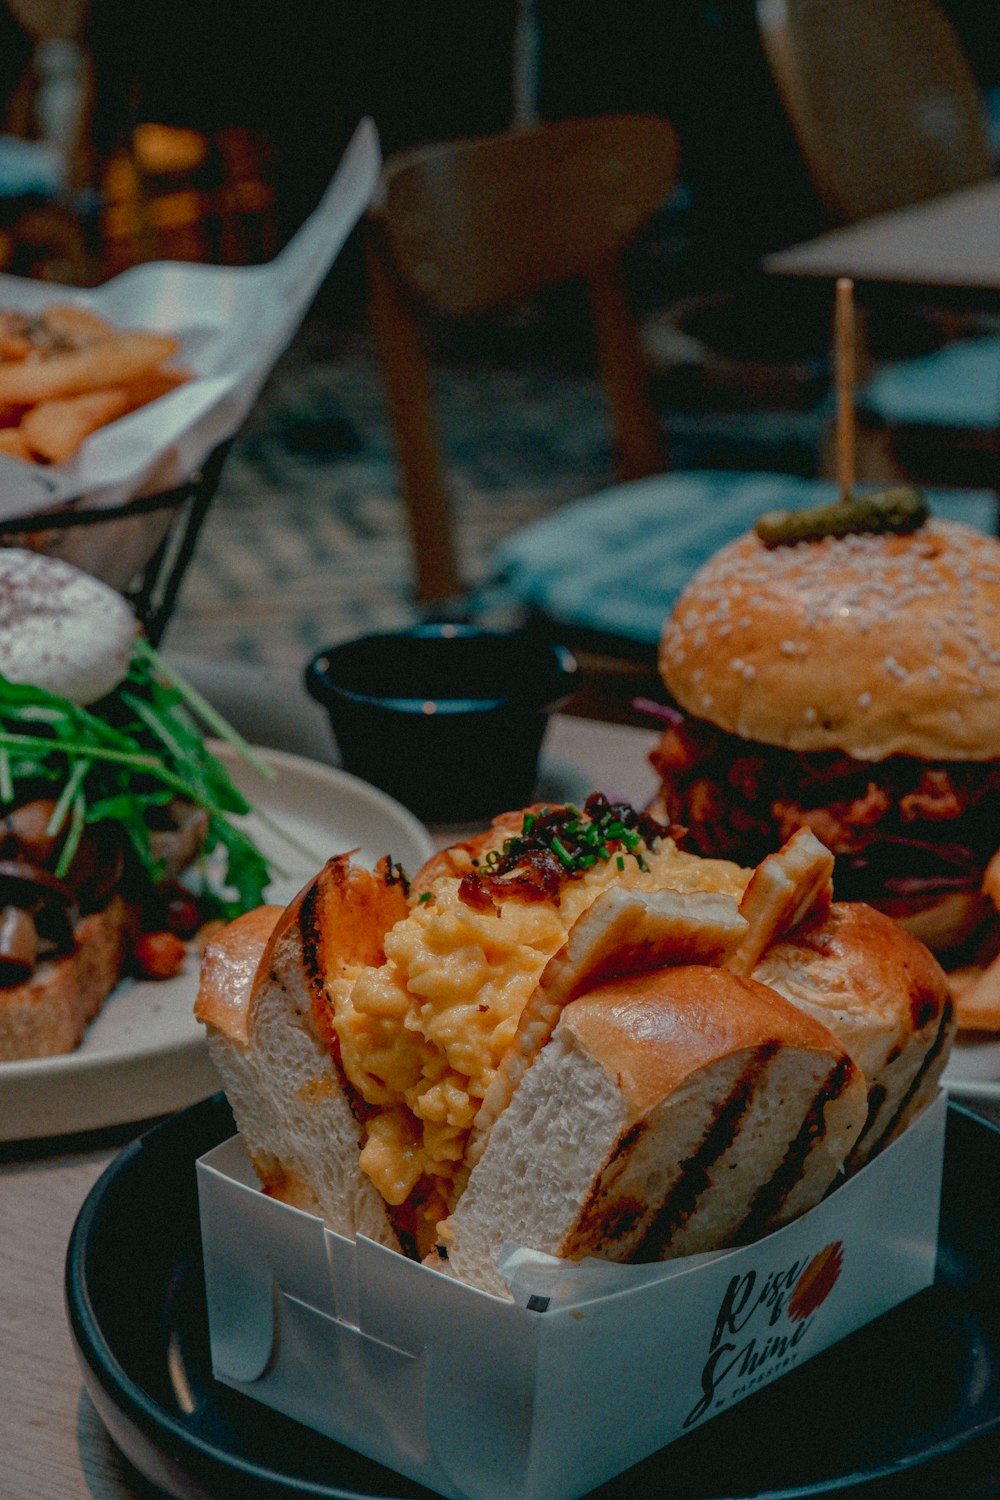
(874, 645)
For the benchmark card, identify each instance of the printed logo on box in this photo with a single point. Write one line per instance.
(761, 1326)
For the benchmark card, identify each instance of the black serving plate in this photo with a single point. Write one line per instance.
(908, 1408)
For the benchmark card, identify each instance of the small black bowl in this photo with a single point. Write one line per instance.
(447, 718)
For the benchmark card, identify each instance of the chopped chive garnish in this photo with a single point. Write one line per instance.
(562, 853)
(123, 761)
(559, 843)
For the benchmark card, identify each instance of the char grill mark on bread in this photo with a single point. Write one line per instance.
(644, 1080)
(770, 1201)
(918, 1093)
(695, 1176)
(883, 996)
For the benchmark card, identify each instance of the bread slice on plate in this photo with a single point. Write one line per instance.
(47, 1014)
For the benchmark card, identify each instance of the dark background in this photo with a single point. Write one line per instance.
(305, 73)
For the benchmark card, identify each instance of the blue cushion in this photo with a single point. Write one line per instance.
(28, 168)
(957, 386)
(615, 562)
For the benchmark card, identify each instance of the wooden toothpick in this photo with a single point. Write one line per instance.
(844, 347)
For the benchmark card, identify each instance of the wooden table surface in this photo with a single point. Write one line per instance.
(950, 242)
(53, 1445)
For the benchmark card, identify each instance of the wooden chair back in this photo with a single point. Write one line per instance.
(882, 99)
(464, 227)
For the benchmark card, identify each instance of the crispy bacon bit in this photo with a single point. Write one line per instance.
(560, 844)
(883, 820)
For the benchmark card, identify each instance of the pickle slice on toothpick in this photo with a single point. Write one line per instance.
(898, 508)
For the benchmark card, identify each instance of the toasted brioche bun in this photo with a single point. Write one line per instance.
(872, 645)
(60, 629)
(264, 998)
(671, 1112)
(885, 999)
(47, 1014)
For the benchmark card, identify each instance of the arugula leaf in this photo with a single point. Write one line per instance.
(123, 760)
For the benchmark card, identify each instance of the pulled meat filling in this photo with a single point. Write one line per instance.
(901, 828)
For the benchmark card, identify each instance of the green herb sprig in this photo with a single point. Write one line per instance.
(123, 760)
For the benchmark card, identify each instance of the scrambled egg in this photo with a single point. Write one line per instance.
(422, 1035)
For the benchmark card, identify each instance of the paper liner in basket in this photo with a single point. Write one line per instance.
(232, 323)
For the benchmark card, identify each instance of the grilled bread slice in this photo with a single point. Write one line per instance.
(265, 999)
(671, 1112)
(47, 1014)
(886, 999)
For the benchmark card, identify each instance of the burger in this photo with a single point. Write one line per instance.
(848, 683)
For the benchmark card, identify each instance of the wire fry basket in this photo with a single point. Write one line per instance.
(141, 548)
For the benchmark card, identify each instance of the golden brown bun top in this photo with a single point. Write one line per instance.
(887, 972)
(652, 1031)
(228, 969)
(874, 645)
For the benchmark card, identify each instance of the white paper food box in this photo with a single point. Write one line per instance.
(550, 1394)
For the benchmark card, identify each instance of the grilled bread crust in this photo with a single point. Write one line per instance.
(264, 998)
(672, 1112)
(883, 996)
(48, 1013)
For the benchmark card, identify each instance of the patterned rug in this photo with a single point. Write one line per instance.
(306, 541)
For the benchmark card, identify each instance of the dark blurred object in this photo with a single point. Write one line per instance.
(888, 113)
(141, 548)
(447, 718)
(297, 78)
(15, 55)
(701, 65)
(431, 72)
(173, 193)
(42, 119)
(210, 68)
(465, 228)
(883, 102)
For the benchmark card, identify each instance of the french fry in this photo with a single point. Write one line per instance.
(977, 998)
(13, 445)
(76, 326)
(111, 362)
(66, 371)
(153, 384)
(54, 430)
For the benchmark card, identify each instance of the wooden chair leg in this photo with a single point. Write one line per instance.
(640, 448)
(407, 384)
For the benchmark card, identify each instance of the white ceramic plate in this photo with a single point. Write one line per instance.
(145, 1053)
